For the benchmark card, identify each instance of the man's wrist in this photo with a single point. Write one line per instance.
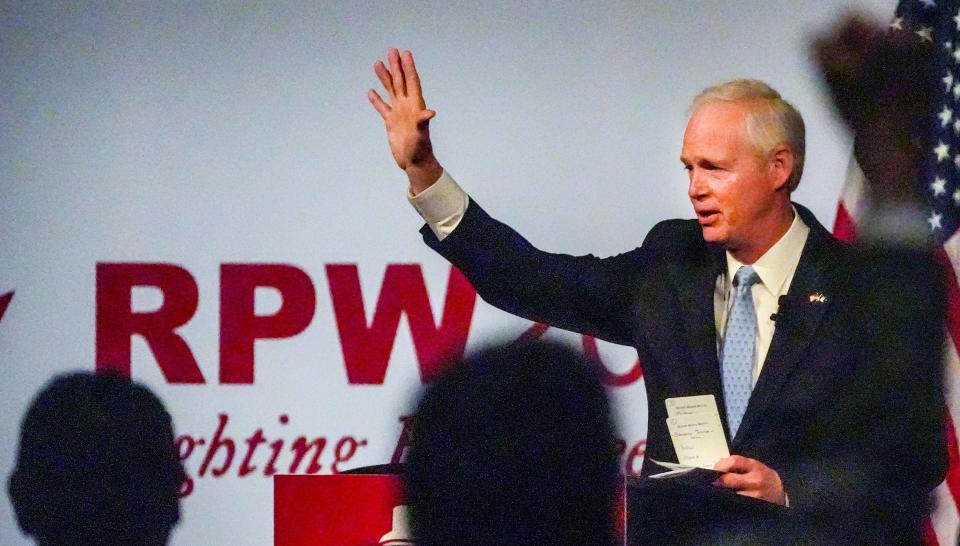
(442, 205)
(423, 174)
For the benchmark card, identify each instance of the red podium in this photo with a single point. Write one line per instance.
(346, 510)
(338, 510)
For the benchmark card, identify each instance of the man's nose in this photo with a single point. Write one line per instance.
(697, 187)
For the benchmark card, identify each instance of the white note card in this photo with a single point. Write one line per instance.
(688, 405)
(696, 430)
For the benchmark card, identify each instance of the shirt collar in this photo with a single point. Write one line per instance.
(779, 261)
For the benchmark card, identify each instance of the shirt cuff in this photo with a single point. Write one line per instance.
(441, 206)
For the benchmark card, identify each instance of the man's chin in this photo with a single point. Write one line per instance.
(712, 235)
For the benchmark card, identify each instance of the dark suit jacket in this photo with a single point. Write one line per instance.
(848, 407)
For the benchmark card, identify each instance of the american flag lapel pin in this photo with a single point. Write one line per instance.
(817, 297)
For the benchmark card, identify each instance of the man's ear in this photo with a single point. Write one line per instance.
(781, 166)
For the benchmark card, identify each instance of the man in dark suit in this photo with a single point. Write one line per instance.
(824, 368)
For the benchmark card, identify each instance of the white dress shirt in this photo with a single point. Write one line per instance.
(775, 268)
(443, 205)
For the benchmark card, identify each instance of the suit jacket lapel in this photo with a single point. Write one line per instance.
(696, 298)
(807, 299)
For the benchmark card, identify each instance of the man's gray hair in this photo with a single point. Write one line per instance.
(772, 121)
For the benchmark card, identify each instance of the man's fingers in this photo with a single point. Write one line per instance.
(723, 465)
(378, 104)
(733, 463)
(410, 74)
(425, 116)
(750, 477)
(396, 71)
(732, 480)
(843, 54)
(384, 76)
(853, 35)
(750, 481)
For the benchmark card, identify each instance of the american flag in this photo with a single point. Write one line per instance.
(936, 22)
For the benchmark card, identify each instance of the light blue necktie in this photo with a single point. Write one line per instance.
(739, 341)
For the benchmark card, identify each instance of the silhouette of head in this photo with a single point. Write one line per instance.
(96, 465)
(514, 446)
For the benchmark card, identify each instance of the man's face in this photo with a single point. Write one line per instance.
(731, 188)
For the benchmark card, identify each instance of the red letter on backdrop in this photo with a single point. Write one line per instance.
(116, 321)
(4, 302)
(366, 349)
(240, 327)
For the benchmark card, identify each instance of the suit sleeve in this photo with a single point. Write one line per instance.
(579, 293)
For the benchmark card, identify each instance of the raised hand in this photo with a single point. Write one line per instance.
(882, 86)
(407, 119)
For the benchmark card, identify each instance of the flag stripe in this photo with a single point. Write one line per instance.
(946, 517)
(843, 227)
(929, 535)
(953, 471)
(944, 521)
